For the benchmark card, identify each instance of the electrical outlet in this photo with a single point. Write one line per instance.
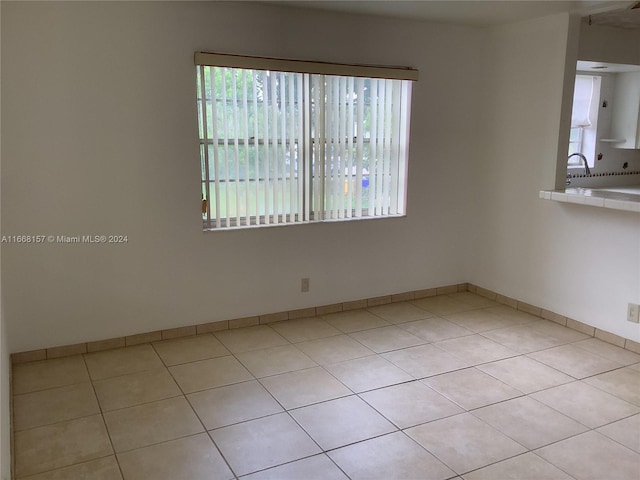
(304, 285)
(633, 313)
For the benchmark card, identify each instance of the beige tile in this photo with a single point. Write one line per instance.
(55, 446)
(446, 289)
(527, 466)
(399, 312)
(318, 467)
(250, 338)
(410, 404)
(304, 387)
(305, 329)
(244, 322)
(205, 374)
(610, 338)
(483, 292)
(367, 373)
(385, 339)
(192, 458)
(470, 388)
(472, 288)
(480, 320)
(475, 300)
(387, 457)
(301, 313)
(562, 334)
(67, 350)
(274, 317)
(425, 361)
(212, 327)
(151, 423)
(429, 292)
(581, 327)
(592, 456)
(508, 301)
(178, 332)
(529, 422)
(475, 349)
(554, 317)
(44, 374)
(403, 297)
(54, 405)
(442, 304)
(263, 443)
(528, 308)
(223, 406)
(109, 344)
(522, 338)
(190, 349)
(342, 421)
(30, 356)
(607, 350)
(622, 383)
(588, 405)
(121, 361)
(334, 349)
(626, 432)
(275, 360)
(574, 361)
(354, 320)
(142, 338)
(354, 305)
(327, 309)
(135, 389)
(464, 287)
(632, 346)
(435, 329)
(105, 468)
(464, 443)
(525, 374)
(511, 313)
(372, 302)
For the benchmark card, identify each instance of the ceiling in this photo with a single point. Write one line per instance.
(478, 13)
(626, 18)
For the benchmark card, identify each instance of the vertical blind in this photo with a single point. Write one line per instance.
(283, 147)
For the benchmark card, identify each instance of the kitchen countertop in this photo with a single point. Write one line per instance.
(595, 197)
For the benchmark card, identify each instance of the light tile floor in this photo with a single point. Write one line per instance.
(449, 387)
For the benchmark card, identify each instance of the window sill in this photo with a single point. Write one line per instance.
(297, 224)
(609, 198)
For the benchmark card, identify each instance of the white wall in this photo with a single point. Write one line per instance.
(5, 363)
(600, 43)
(99, 126)
(5, 401)
(578, 261)
(100, 133)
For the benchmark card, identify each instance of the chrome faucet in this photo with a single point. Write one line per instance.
(587, 171)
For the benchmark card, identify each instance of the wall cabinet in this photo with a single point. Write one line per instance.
(625, 124)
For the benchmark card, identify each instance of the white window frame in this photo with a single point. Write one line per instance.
(322, 138)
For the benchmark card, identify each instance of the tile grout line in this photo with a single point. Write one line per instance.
(104, 422)
(474, 365)
(184, 395)
(284, 409)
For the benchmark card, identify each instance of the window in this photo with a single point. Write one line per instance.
(285, 141)
(584, 120)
